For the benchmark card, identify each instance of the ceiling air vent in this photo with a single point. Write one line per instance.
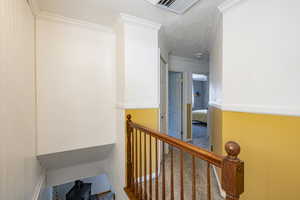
(177, 6)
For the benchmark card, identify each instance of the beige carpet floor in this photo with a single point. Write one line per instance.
(201, 179)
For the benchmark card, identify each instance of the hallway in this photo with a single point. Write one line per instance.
(200, 136)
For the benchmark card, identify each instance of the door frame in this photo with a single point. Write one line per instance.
(186, 99)
(208, 113)
(182, 131)
(166, 116)
(161, 59)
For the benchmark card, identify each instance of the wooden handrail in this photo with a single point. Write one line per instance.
(232, 168)
(187, 147)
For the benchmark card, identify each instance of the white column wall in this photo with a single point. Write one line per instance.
(75, 85)
(216, 65)
(138, 67)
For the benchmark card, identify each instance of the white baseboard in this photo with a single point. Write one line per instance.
(39, 186)
(222, 192)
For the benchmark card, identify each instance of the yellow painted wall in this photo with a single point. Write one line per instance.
(145, 117)
(215, 122)
(148, 118)
(271, 151)
(216, 129)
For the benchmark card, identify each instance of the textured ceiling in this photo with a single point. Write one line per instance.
(186, 34)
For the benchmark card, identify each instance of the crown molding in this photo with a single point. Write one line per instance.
(139, 21)
(228, 4)
(34, 7)
(258, 109)
(59, 18)
(55, 17)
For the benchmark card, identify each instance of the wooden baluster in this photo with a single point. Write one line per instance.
(133, 162)
(172, 175)
(232, 172)
(150, 167)
(141, 175)
(232, 167)
(156, 169)
(136, 163)
(129, 163)
(145, 166)
(163, 173)
(194, 178)
(208, 182)
(181, 176)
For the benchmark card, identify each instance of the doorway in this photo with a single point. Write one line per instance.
(200, 97)
(175, 105)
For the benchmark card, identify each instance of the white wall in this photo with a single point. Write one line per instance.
(216, 64)
(79, 171)
(75, 85)
(141, 63)
(261, 56)
(162, 44)
(20, 172)
(140, 67)
(116, 158)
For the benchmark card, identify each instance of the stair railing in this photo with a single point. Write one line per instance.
(143, 167)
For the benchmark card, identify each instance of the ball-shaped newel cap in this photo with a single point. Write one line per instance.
(233, 149)
(129, 117)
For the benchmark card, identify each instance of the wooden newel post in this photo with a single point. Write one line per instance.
(128, 152)
(232, 172)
